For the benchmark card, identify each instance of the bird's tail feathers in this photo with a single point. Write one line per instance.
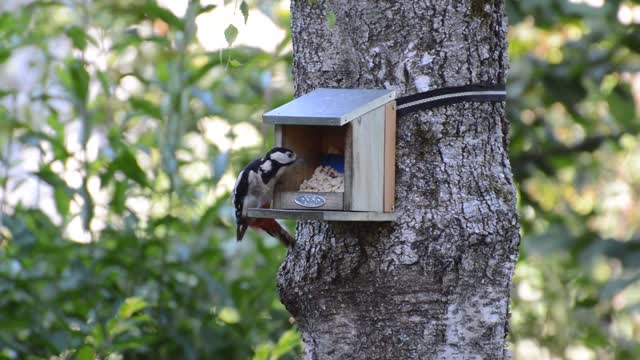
(240, 230)
(273, 228)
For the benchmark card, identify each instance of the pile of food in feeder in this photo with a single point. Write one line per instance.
(324, 179)
(328, 177)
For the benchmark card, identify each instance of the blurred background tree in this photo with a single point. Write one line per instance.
(123, 123)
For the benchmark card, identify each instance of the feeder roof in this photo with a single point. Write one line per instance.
(329, 107)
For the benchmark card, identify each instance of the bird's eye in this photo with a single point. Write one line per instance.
(290, 155)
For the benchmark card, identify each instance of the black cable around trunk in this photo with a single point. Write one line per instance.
(450, 95)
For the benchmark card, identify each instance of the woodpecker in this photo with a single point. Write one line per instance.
(254, 189)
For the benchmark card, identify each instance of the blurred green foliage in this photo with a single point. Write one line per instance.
(126, 126)
(575, 153)
(121, 128)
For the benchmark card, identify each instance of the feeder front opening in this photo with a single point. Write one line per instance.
(322, 150)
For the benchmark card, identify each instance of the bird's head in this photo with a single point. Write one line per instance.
(281, 156)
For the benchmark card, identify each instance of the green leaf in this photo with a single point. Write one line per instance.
(62, 199)
(331, 18)
(155, 11)
(206, 9)
(621, 105)
(78, 37)
(62, 194)
(146, 107)
(200, 72)
(85, 353)
(244, 9)
(56, 125)
(287, 342)
(230, 34)
(87, 211)
(119, 197)
(117, 326)
(47, 175)
(104, 81)
(132, 37)
(128, 164)
(4, 93)
(34, 138)
(262, 352)
(235, 63)
(4, 55)
(130, 306)
(79, 81)
(163, 72)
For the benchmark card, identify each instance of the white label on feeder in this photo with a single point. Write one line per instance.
(310, 201)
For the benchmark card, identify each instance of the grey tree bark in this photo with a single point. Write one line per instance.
(435, 284)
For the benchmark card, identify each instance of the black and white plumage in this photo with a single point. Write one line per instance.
(254, 189)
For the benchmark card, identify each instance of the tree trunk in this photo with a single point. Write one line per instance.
(434, 284)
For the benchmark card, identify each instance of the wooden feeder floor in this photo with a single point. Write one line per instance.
(321, 215)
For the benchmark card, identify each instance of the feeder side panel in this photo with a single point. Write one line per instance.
(368, 161)
(348, 166)
(390, 157)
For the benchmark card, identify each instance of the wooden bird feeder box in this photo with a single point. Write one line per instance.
(354, 132)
